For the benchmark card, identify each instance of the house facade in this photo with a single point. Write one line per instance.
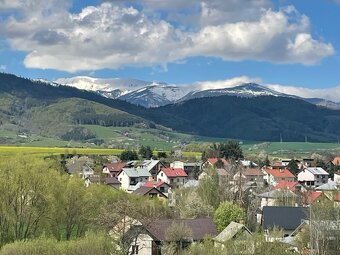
(175, 177)
(131, 177)
(313, 176)
(274, 176)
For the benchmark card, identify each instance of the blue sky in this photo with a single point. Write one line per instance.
(292, 46)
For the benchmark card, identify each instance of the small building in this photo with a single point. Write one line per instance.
(284, 218)
(176, 177)
(191, 169)
(113, 169)
(278, 197)
(313, 176)
(215, 162)
(234, 231)
(151, 192)
(292, 186)
(336, 161)
(150, 237)
(153, 166)
(130, 177)
(274, 176)
(112, 182)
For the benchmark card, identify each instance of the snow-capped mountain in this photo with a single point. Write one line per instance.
(144, 93)
(112, 88)
(244, 90)
(155, 94)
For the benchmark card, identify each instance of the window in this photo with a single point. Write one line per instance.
(162, 174)
(135, 249)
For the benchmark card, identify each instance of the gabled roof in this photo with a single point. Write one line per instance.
(149, 164)
(155, 184)
(174, 172)
(310, 197)
(316, 170)
(199, 228)
(191, 184)
(213, 161)
(252, 172)
(115, 167)
(111, 180)
(148, 190)
(331, 185)
(230, 231)
(136, 172)
(287, 218)
(282, 173)
(286, 185)
(277, 194)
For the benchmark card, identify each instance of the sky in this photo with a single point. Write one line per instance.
(290, 46)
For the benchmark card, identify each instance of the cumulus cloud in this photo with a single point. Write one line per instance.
(3, 67)
(113, 35)
(332, 94)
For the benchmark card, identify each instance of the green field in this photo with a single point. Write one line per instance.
(290, 148)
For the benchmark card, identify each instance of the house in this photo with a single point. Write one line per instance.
(81, 166)
(151, 192)
(176, 177)
(113, 169)
(150, 237)
(309, 197)
(215, 162)
(161, 186)
(336, 161)
(153, 166)
(313, 176)
(233, 231)
(250, 175)
(278, 197)
(247, 163)
(223, 176)
(131, 178)
(336, 177)
(329, 186)
(112, 182)
(274, 176)
(284, 218)
(292, 186)
(191, 169)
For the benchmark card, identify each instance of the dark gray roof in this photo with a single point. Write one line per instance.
(199, 227)
(288, 218)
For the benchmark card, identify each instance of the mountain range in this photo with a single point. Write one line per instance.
(248, 111)
(156, 94)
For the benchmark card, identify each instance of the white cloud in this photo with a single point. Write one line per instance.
(228, 83)
(3, 67)
(112, 35)
(332, 94)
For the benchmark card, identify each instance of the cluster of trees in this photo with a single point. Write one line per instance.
(144, 152)
(38, 201)
(230, 150)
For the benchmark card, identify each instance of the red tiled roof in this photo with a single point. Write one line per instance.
(151, 184)
(286, 185)
(336, 161)
(115, 167)
(252, 172)
(283, 173)
(337, 197)
(309, 197)
(174, 172)
(213, 161)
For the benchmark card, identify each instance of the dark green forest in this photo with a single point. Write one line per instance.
(55, 111)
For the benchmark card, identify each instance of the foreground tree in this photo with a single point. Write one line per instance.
(226, 213)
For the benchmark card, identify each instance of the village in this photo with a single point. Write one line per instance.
(232, 201)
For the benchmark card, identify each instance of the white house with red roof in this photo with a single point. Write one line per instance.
(274, 176)
(176, 177)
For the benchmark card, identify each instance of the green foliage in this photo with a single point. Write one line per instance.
(231, 150)
(161, 154)
(191, 206)
(226, 213)
(293, 167)
(145, 152)
(92, 244)
(274, 248)
(208, 188)
(128, 155)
